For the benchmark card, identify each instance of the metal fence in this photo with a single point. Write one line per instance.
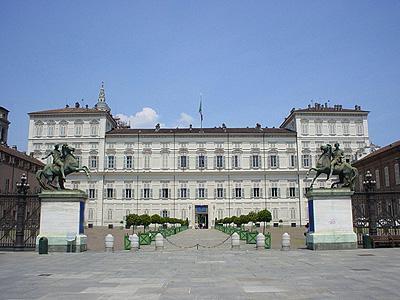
(10, 204)
(385, 205)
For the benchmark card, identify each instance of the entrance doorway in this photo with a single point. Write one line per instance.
(201, 216)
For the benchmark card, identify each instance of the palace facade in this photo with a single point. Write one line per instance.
(194, 173)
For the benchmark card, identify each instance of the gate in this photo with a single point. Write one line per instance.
(384, 207)
(19, 215)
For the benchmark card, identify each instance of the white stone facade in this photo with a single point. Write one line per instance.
(170, 172)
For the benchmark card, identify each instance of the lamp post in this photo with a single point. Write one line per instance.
(369, 186)
(22, 188)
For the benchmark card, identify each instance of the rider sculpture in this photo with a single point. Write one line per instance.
(331, 162)
(64, 163)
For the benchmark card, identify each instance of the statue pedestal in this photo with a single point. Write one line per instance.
(331, 220)
(62, 217)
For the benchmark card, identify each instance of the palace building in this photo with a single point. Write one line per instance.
(196, 173)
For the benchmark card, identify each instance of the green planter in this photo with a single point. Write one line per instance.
(144, 238)
(268, 240)
(127, 243)
(251, 237)
(243, 235)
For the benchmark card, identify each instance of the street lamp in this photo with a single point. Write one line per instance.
(369, 186)
(22, 188)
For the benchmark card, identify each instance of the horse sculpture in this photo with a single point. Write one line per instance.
(51, 171)
(346, 172)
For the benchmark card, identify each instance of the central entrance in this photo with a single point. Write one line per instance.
(201, 216)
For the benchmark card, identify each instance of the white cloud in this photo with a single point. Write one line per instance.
(184, 120)
(147, 117)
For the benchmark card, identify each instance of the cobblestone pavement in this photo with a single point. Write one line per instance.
(207, 273)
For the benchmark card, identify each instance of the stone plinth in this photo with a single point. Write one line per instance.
(62, 219)
(331, 220)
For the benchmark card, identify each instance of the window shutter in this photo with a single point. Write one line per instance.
(269, 161)
(159, 192)
(151, 193)
(179, 162)
(141, 193)
(169, 193)
(223, 162)
(123, 193)
(125, 166)
(224, 193)
(114, 193)
(215, 193)
(197, 161)
(87, 192)
(277, 161)
(259, 161)
(279, 192)
(233, 193)
(243, 193)
(261, 192)
(215, 162)
(239, 161)
(188, 192)
(133, 193)
(250, 162)
(178, 194)
(287, 192)
(206, 192)
(95, 193)
(269, 192)
(105, 162)
(205, 162)
(233, 162)
(104, 193)
(197, 193)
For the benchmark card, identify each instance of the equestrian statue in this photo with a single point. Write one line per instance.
(331, 162)
(64, 163)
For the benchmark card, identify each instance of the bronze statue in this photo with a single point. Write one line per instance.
(64, 163)
(332, 163)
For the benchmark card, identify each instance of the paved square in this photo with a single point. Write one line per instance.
(207, 273)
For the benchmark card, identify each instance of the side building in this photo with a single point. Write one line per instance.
(199, 174)
(14, 163)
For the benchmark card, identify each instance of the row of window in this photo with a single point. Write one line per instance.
(386, 177)
(332, 128)
(62, 130)
(202, 161)
(200, 193)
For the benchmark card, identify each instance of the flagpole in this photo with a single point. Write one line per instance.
(201, 111)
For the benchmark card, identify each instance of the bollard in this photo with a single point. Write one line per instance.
(43, 245)
(260, 243)
(285, 242)
(159, 241)
(235, 240)
(134, 242)
(109, 243)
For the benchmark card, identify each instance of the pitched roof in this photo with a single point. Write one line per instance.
(380, 151)
(79, 110)
(218, 130)
(20, 155)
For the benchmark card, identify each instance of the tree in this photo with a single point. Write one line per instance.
(243, 219)
(156, 219)
(145, 220)
(264, 216)
(132, 220)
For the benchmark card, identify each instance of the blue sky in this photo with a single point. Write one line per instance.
(252, 60)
